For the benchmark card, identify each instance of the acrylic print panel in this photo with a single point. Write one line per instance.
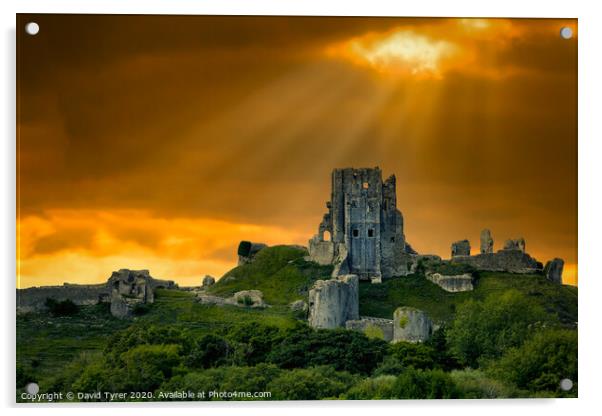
(296, 208)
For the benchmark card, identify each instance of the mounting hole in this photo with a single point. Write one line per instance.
(32, 388)
(566, 33)
(32, 28)
(566, 384)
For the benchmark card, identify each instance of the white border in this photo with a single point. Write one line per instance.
(590, 206)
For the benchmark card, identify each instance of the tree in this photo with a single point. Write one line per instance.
(475, 384)
(424, 384)
(541, 362)
(229, 379)
(209, 351)
(485, 330)
(372, 388)
(253, 342)
(310, 384)
(413, 355)
(100, 376)
(441, 354)
(123, 341)
(343, 350)
(147, 366)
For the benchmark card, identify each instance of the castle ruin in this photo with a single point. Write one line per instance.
(362, 232)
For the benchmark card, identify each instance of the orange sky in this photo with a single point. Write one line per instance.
(160, 142)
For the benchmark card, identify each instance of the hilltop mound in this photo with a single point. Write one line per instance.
(280, 272)
(283, 276)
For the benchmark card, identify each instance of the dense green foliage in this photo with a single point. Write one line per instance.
(475, 384)
(541, 362)
(484, 330)
(515, 331)
(343, 350)
(424, 384)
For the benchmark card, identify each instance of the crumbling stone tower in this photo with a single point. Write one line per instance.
(362, 232)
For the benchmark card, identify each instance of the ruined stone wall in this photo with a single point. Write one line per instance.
(334, 302)
(553, 270)
(460, 248)
(322, 252)
(125, 283)
(453, 283)
(34, 298)
(411, 325)
(372, 327)
(486, 242)
(512, 261)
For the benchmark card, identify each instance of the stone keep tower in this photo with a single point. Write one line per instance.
(364, 225)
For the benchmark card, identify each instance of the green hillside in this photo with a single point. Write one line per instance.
(283, 275)
(279, 272)
(415, 290)
(47, 345)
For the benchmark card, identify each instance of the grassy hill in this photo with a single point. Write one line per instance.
(279, 272)
(283, 275)
(415, 290)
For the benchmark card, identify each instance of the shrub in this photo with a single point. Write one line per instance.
(135, 335)
(24, 376)
(413, 355)
(541, 362)
(310, 384)
(441, 355)
(424, 384)
(474, 384)
(485, 330)
(251, 379)
(61, 308)
(252, 342)
(64, 379)
(373, 388)
(344, 350)
(147, 366)
(209, 351)
(141, 309)
(390, 366)
(100, 376)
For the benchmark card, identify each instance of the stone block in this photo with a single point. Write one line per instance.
(455, 283)
(333, 302)
(411, 325)
(460, 248)
(553, 270)
(486, 242)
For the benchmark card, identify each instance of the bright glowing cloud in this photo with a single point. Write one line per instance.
(404, 51)
(430, 51)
